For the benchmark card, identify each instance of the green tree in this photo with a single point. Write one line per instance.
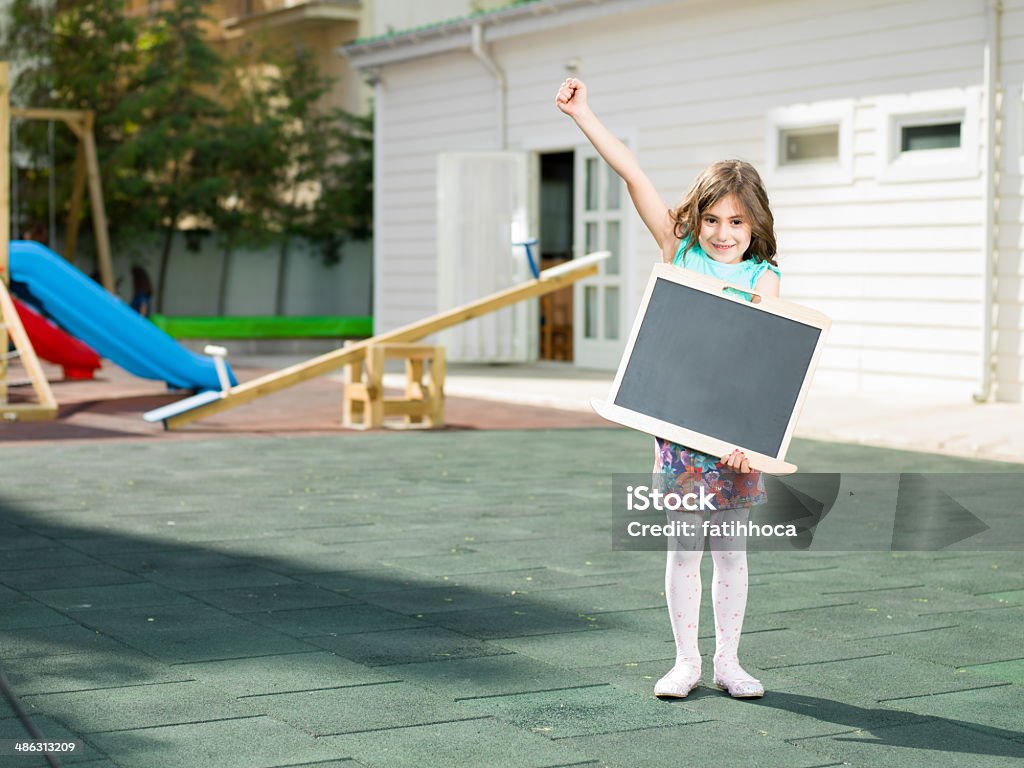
(324, 184)
(71, 54)
(293, 169)
(169, 154)
(245, 145)
(344, 209)
(249, 153)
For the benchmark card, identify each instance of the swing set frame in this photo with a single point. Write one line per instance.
(87, 170)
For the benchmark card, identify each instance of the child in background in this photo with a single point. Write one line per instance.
(142, 291)
(723, 228)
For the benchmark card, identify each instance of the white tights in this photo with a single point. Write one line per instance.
(729, 593)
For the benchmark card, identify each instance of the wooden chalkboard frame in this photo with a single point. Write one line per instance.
(697, 440)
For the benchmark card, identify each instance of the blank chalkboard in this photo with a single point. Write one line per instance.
(721, 372)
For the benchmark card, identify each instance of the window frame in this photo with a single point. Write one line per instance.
(812, 172)
(785, 132)
(895, 113)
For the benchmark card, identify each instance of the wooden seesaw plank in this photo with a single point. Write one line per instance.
(550, 280)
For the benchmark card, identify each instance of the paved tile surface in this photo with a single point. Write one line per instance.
(451, 599)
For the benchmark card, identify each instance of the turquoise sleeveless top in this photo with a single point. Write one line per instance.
(673, 459)
(743, 274)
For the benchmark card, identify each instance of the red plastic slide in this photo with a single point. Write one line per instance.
(51, 343)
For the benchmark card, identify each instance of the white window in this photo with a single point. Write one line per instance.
(937, 133)
(818, 144)
(929, 136)
(810, 144)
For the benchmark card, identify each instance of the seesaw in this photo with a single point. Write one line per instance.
(209, 403)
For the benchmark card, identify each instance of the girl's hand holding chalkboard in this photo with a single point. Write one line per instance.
(572, 97)
(736, 461)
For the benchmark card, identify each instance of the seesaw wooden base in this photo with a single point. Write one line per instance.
(366, 407)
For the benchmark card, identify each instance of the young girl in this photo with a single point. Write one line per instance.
(723, 228)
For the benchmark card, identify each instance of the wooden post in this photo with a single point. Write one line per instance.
(11, 328)
(75, 209)
(414, 386)
(99, 213)
(352, 407)
(435, 388)
(46, 408)
(374, 408)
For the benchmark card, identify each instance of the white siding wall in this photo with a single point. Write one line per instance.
(1010, 243)
(897, 265)
(440, 104)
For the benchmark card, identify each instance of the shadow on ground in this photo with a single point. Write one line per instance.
(448, 598)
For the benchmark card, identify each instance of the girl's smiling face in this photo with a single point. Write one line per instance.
(725, 231)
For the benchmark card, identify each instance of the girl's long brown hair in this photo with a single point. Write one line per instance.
(729, 177)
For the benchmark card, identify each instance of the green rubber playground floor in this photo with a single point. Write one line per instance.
(452, 599)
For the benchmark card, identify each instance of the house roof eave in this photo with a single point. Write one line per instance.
(457, 34)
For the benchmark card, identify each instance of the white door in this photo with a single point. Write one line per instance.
(482, 205)
(599, 215)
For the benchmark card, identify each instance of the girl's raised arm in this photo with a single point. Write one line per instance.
(572, 100)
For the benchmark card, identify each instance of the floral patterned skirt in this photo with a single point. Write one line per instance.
(684, 470)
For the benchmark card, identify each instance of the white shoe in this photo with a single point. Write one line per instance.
(678, 683)
(739, 683)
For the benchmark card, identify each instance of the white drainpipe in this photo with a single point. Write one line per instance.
(993, 19)
(499, 76)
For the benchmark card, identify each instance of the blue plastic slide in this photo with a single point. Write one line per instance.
(104, 322)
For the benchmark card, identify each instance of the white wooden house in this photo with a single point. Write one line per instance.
(889, 134)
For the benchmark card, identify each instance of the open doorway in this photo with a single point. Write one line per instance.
(556, 233)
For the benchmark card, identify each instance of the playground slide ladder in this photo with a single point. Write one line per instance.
(549, 280)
